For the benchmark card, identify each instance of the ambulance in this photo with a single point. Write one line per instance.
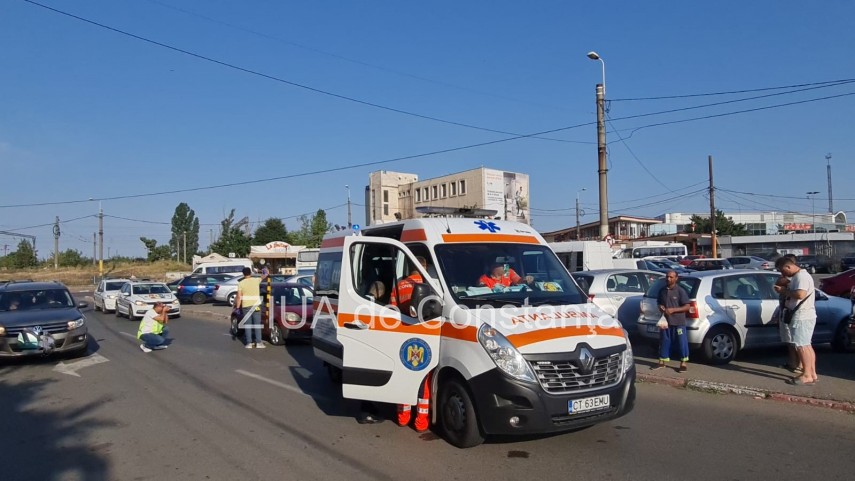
(527, 356)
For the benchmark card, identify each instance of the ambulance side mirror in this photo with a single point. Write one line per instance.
(425, 305)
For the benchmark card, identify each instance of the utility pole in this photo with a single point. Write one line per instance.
(830, 197)
(185, 247)
(578, 213)
(56, 244)
(712, 212)
(601, 161)
(349, 218)
(94, 249)
(100, 242)
(5, 249)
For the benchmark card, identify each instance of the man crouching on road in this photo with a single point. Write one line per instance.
(153, 331)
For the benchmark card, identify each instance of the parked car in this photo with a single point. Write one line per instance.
(770, 256)
(304, 279)
(293, 314)
(38, 318)
(137, 297)
(815, 263)
(617, 291)
(662, 265)
(226, 291)
(839, 285)
(173, 285)
(199, 288)
(104, 298)
(732, 310)
(847, 262)
(686, 260)
(705, 264)
(750, 262)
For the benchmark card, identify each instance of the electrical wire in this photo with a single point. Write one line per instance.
(732, 92)
(287, 82)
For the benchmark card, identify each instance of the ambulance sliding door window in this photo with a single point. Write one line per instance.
(328, 274)
(374, 267)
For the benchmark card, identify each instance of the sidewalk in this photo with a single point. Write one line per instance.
(756, 373)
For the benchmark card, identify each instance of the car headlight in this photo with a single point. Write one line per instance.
(627, 358)
(504, 354)
(175, 302)
(140, 303)
(76, 324)
(2, 331)
(292, 317)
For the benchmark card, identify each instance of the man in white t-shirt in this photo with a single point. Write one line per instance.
(800, 298)
(152, 331)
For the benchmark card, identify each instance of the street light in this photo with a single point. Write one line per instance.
(602, 169)
(577, 212)
(813, 216)
(349, 220)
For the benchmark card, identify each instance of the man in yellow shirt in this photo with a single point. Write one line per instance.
(249, 300)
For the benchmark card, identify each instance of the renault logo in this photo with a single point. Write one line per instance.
(586, 361)
(37, 330)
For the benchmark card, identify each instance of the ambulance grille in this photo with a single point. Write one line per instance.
(561, 377)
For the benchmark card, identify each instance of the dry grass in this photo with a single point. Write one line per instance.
(85, 276)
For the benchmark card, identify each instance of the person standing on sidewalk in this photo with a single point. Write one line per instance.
(793, 364)
(673, 304)
(249, 299)
(152, 331)
(799, 302)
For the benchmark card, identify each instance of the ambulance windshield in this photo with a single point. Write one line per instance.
(498, 274)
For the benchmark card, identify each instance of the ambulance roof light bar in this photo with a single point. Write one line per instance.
(436, 211)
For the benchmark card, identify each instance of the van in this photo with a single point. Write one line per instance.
(231, 266)
(528, 356)
(584, 255)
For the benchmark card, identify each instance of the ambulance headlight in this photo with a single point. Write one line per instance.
(626, 357)
(504, 354)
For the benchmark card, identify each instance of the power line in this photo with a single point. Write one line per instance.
(52, 223)
(284, 81)
(709, 94)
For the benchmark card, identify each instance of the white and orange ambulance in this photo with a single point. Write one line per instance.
(514, 345)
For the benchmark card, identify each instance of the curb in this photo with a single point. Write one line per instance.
(756, 393)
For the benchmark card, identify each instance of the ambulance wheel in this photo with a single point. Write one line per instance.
(457, 415)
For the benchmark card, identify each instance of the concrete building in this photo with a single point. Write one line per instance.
(622, 228)
(395, 195)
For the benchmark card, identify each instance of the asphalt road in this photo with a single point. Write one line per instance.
(206, 408)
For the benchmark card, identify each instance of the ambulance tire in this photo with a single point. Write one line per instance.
(457, 415)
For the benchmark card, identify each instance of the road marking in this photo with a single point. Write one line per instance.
(129, 335)
(71, 368)
(279, 384)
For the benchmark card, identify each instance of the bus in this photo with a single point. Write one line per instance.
(665, 249)
(307, 261)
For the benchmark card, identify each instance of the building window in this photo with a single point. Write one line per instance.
(425, 196)
(453, 189)
(385, 209)
(418, 195)
(462, 187)
(433, 192)
(385, 196)
(443, 190)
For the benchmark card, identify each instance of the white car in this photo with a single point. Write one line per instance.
(137, 297)
(104, 298)
(617, 291)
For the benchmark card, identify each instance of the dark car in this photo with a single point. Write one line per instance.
(199, 288)
(293, 314)
(39, 318)
(839, 285)
(662, 265)
(710, 264)
(847, 262)
(815, 263)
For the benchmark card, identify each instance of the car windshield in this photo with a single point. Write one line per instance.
(500, 273)
(151, 289)
(292, 295)
(114, 286)
(36, 299)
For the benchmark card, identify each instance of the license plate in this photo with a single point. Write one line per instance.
(588, 404)
(653, 328)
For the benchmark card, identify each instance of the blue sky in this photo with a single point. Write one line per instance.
(89, 113)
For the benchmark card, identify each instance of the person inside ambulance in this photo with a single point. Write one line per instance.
(501, 276)
(403, 292)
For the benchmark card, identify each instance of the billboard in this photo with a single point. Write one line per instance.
(508, 194)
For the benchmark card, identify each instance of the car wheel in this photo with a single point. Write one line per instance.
(95, 305)
(117, 312)
(812, 269)
(720, 345)
(457, 415)
(334, 373)
(198, 298)
(231, 299)
(841, 341)
(276, 336)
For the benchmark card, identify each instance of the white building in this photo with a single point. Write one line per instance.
(395, 195)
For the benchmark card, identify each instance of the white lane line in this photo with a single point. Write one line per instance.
(278, 384)
(129, 335)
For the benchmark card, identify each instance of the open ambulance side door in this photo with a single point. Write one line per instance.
(386, 354)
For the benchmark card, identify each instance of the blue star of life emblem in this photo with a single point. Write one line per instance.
(489, 226)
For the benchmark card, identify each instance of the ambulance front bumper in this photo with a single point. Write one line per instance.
(509, 407)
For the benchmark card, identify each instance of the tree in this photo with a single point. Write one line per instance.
(71, 258)
(319, 227)
(156, 252)
(232, 238)
(184, 221)
(723, 225)
(273, 229)
(24, 257)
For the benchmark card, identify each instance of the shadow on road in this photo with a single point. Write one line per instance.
(313, 379)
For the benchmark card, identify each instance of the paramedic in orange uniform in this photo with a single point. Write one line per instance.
(499, 278)
(404, 289)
